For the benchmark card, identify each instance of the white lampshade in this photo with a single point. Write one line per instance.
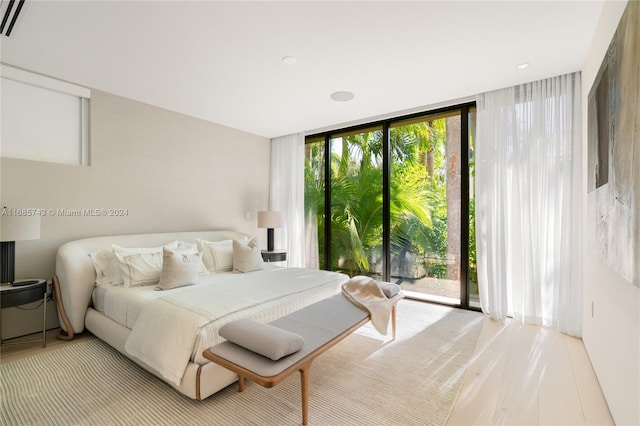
(19, 228)
(270, 219)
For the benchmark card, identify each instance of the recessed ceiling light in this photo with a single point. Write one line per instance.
(342, 96)
(522, 66)
(289, 60)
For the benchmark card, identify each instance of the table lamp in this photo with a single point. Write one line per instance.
(270, 220)
(12, 229)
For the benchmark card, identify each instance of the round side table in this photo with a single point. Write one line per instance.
(22, 292)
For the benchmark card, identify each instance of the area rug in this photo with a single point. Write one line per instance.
(364, 380)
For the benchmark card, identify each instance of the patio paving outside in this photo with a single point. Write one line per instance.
(433, 286)
(434, 289)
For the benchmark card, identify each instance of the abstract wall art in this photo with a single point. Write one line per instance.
(613, 138)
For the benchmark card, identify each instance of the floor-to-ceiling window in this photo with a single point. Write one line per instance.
(472, 272)
(356, 202)
(426, 204)
(315, 179)
(391, 200)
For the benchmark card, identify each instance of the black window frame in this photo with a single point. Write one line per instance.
(385, 125)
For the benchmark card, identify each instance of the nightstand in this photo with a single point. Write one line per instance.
(274, 255)
(23, 292)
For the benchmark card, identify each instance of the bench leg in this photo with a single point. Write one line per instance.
(240, 383)
(304, 380)
(393, 321)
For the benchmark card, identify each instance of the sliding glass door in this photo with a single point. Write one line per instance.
(392, 200)
(472, 271)
(356, 202)
(315, 179)
(426, 206)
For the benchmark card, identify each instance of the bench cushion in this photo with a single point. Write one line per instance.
(264, 339)
(389, 289)
(312, 323)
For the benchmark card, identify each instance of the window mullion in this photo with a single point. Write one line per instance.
(327, 201)
(386, 202)
(464, 200)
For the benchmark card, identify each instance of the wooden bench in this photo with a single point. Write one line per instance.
(322, 325)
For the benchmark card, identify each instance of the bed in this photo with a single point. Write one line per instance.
(165, 332)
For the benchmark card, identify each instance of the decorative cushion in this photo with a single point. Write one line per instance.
(247, 257)
(140, 266)
(179, 269)
(217, 255)
(264, 339)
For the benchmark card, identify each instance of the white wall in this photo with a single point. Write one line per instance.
(612, 334)
(171, 172)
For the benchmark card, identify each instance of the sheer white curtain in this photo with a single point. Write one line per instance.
(287, 194)
(528, 160)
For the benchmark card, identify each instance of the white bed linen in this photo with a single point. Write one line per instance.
(123, 304)
(167, 342)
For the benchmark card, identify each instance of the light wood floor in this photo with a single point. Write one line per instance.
(519, 375)
(529, 375)
(11, 352)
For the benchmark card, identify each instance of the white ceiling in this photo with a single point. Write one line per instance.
(222, 61)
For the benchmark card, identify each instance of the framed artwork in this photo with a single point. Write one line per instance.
(613, 138)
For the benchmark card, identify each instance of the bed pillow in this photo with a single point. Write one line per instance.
(247, 256)
(264, 339)
(217, 255)
(105, 264)
(187, 247)
(140, 266)
(179, 269)
(192, 248)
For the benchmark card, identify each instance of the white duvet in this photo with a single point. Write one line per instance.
(173, 329)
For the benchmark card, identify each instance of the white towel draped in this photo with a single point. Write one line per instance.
(365, 293)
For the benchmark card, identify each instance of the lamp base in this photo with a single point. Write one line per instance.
(7, 261)
(270, 239)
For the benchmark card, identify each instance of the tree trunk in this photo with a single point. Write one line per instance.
(454, 196)
(429, 155)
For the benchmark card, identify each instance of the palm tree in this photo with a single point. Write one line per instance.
(356, 200)
(424, 165)
(356, 203)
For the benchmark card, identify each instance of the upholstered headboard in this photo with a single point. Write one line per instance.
(76, 274)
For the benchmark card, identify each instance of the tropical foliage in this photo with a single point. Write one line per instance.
(418, 199)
